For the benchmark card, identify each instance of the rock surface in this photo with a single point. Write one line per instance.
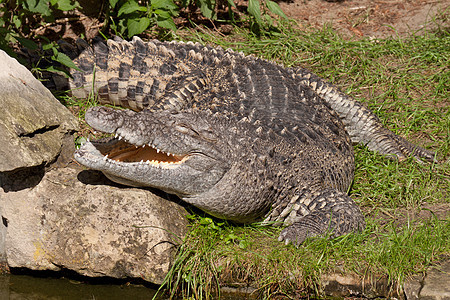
(93, 229)
(344, 286)
(34, 126)
(435, 285)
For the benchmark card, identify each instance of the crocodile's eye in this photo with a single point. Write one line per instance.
(204, 134)
(185, 129)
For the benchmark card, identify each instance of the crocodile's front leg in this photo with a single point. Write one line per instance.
(316, 214)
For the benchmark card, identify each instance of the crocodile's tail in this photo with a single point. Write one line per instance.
(362, 124)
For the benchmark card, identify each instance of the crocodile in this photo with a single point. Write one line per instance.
(242, 138)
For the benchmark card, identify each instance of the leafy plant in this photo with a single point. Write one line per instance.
(263, 19)
(130, 17)
(134, 17)
(16, 24)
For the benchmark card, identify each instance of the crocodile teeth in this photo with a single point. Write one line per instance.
(157, 150)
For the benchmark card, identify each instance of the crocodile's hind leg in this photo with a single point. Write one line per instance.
(317, 214)
(362, 124)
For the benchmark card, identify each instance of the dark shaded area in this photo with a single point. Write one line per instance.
(68, 285)
(17, 180)
(94, 177)
(38, 131)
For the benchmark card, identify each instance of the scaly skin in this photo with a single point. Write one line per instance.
(241, 138)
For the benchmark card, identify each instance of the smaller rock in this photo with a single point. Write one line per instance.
(34, 126)
(436, 284)
(412, 287)
(342, 286)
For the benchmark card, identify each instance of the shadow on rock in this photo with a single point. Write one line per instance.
(17, 180)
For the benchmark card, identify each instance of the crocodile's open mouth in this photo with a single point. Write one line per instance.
(126, 152)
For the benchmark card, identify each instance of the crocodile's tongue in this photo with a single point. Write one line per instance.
(125, 152)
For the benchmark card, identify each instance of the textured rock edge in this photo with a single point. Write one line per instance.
(429, 285)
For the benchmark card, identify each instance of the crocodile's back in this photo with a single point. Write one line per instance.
(161, 75)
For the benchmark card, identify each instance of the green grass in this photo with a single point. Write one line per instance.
(254, 257)
(406, 82)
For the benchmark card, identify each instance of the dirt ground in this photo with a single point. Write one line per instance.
(371, 18)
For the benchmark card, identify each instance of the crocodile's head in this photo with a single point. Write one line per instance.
(175, 152)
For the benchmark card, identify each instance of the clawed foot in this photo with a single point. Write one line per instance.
(296, 236)
(298, 232)
(342, 219)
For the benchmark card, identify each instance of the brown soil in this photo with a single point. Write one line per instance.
(403, 216)
(371, 18)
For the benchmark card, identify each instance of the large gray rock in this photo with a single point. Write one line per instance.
(93, 229)
(33, 124)
(64, 218)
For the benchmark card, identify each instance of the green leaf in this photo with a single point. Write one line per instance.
(113, 3)
(207, 9)
(55, 52)
(137, 25)
(38, 6)
(168, 4)
(65, 60)
(243, 244)
(130, 7)
(166, 23)
(268, 19)
(254, 10)
(231, 2)
(275, 8)
(48, 46)
(231, 236)
(162, 14)
(58, 71)
(66, 5)
(27, 43)
(17, 22)
(205, 221)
